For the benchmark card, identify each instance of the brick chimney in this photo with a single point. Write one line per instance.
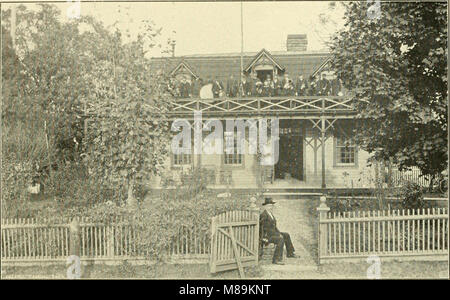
(296, 42)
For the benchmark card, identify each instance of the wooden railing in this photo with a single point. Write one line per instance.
(390, 233)
(287, 105)
(24, 240)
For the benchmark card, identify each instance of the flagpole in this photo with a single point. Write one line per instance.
(242, 41)
(13, 25)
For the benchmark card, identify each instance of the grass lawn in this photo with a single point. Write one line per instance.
(124, 271)
(390, 270)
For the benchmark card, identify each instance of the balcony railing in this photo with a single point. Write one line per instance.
(287, 105)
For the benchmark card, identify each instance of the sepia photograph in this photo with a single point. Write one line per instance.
(224, 140)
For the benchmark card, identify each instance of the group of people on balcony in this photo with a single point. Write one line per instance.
(252, 86)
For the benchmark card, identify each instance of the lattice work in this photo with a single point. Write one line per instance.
(260, 105)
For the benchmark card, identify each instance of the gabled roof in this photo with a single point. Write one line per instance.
(183, 65)
(263, 54)
(223, 65)
(321, 67)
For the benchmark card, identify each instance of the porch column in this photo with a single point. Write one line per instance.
(322, 131)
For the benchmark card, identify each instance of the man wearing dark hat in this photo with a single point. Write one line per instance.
(270, 233)
(217, 87)
(324, 86)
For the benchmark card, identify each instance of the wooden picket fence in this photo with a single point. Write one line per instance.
(25, 240)
(235, 236)
(413, 175)
(390, 233)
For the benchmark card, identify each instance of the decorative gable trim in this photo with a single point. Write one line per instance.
(321, 67)
(183, 65)
(263, 55)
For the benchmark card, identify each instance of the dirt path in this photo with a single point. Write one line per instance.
(299, 218)
(293, 216)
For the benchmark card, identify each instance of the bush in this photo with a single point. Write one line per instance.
(157, 222)
(412, 196)
(71, 186)
(22, 147)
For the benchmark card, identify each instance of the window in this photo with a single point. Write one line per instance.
(233, 158)
(345, 151)
(182, 158)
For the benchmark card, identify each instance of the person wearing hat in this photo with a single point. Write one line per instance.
(245, 87)
(324, 86)
(270, 232)
(232, 87)
(217, 87)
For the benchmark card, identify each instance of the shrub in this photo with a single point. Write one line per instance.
(71, 186)
(22, 146)
(157, 222)
(412, 196)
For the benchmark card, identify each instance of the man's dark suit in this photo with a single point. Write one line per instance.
(246, 88)
(268, 230)
(232, 88)
(217, 88)
(301, 87)
(324, 87)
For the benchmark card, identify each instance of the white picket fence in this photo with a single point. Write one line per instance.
(25, 240)
(389, 233)
(412, 175)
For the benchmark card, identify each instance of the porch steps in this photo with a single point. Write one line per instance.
(291, 194)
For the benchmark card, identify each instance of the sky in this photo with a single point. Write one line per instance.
(214, 27)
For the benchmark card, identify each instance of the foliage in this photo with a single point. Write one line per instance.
(57, 71)
(68, 191)
(21, 147)
(45, 86)
(41, 93)
(158, 221)
(396, 67)
(412, 196)
(129, 137)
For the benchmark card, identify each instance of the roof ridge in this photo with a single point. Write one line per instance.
(248, 54)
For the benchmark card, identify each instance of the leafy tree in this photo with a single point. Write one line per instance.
(396, 67)
(128, 137)
(58, 70)
(48, 77)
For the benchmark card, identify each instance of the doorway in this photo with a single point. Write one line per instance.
(291, 155)
(262, 74)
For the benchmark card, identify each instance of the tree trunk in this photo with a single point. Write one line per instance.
(390, 181)
(430, 186)
(377, 184)
(131, 200)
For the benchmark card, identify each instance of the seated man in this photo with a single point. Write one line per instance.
(269, 233)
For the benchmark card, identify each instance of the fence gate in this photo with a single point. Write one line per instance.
(234, 241)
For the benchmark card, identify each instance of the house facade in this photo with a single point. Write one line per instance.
(315, 140)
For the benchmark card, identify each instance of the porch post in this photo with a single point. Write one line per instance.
(74, 233)
(323, 129)
(254, 210)
(323, 227)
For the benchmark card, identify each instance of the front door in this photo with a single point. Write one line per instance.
(290, 162)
